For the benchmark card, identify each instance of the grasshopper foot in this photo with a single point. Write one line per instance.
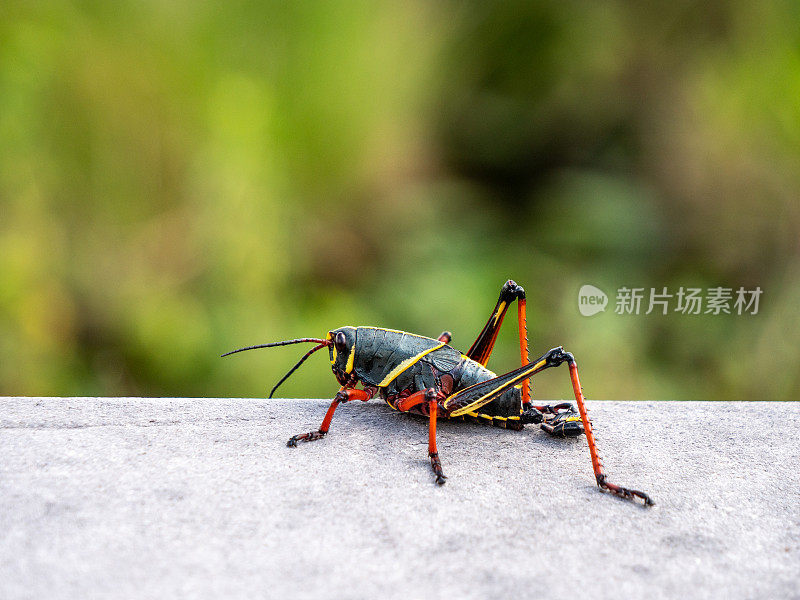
(436, 464)
(305, 437)
(623, 492)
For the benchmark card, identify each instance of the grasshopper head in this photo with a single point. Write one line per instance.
(342, 354)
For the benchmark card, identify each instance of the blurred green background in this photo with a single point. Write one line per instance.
(178, 179)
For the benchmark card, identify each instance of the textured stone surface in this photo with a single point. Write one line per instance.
(165, 498)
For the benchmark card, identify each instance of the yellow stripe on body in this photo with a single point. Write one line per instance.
(406, 364)
(476, 414)
(490, 417)
(473, 406)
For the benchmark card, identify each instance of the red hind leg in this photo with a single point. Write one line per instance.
(597, 464)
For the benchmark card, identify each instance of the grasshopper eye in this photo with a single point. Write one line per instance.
(340, 342)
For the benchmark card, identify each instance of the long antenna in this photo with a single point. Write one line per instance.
(284, 343)
(294, 368)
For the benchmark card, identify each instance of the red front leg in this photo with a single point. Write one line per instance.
(343, 395)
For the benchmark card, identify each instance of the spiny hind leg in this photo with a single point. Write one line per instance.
(343, 395)
(559, 417)
(597, 465)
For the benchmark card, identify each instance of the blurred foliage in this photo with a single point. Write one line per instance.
(178, 179)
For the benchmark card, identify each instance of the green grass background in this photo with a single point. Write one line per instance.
(180, 178)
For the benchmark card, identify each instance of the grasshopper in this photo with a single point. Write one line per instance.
(428, 377)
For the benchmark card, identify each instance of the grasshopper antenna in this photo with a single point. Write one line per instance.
(294, 368)
(283, 343)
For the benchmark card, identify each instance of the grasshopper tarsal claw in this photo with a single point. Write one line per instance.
(305, 437)
(437, 468)
(623, 492)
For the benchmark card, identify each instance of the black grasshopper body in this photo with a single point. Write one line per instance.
(429, 377)
(399, 364)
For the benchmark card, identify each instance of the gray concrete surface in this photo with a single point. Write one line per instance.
(200, 498)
